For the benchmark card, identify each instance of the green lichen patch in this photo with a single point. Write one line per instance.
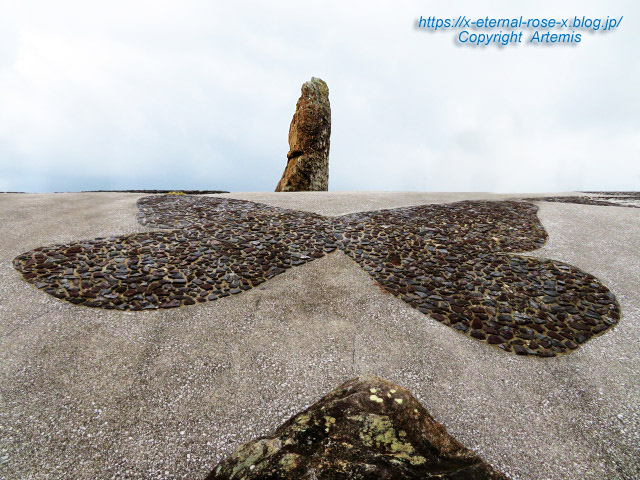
(345, 435)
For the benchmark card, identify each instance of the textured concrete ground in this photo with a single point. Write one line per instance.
(89, 393)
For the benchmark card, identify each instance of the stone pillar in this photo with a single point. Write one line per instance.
(308, 158)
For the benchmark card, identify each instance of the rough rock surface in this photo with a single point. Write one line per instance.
(308, 158)
(367, 428)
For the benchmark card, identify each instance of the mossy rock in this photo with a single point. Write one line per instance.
(368, 428)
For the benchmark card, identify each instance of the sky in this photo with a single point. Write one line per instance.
(199, 94)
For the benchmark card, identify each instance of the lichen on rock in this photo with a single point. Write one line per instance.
(346, 435)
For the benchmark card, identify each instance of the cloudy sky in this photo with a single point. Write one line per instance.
(199, 94)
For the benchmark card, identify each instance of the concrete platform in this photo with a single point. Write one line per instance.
(90, 393)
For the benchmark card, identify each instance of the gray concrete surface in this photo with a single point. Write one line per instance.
(342, 203)
(92, 394)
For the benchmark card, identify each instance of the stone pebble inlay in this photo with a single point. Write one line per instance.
(605, 199)
(453, 262)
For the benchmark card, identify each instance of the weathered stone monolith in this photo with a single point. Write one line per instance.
(367, 428)
(308, 158)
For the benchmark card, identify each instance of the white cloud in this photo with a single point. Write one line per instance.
(200, 94)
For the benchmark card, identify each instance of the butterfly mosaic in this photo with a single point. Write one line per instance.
(458, 263)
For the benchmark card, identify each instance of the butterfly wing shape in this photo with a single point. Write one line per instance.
(211, 248)
(456, 263)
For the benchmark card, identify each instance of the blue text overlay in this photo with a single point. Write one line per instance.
(512, 31)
